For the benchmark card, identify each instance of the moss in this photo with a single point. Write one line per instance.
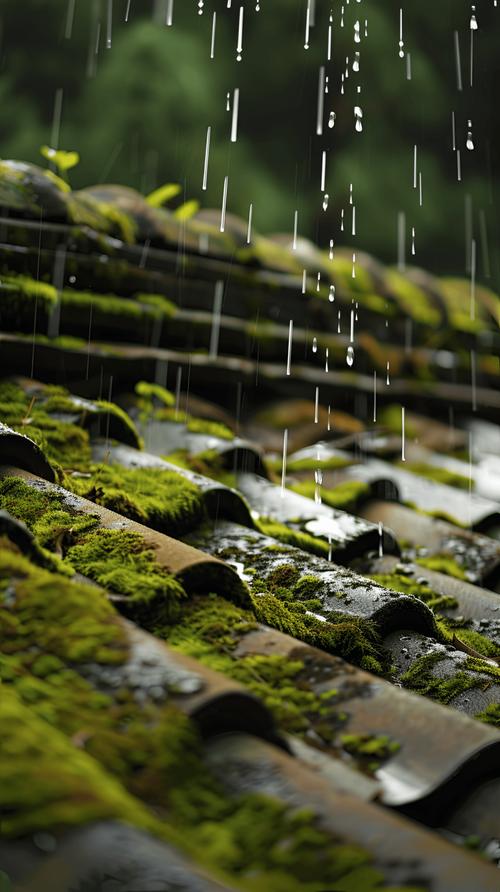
(45, 782)
(151, 394)
(211, 428)
(440, 475)
(443, 563)
(62, 442)
(368, 749)
(334, 463)
(161, 499)
(288, 536)
(420, 678)
(209, 463)
(390, 418)
(400, 583)
(119, 560)
(413, 301)
(346, 495)
(490, 715)
(133, 437)
(44, 513)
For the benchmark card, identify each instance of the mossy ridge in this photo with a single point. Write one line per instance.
(443, 563)
(345, 496)
(399, 582)
(490, 715)
(208, 463)
(289, 536)
(117, 559)
(369, 750)
(151, 752)
(437, 473)
(294, 465)
(420, 678)
(158, 498)
(412, 299)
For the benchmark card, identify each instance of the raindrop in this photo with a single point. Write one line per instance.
(358, 117)
(295, 224)
(401, 41)
(318, 476)
(315, 345)
(318, 282)
(355, 64)
(342, 220)
(331, 294)
(413, 241)
(338, 323)
(239, 45)
(200, 7)
(470, 141)
(304, 281)
(357, 36)
(326, 360)
(330, 253)
(387, 380)
(380, 539)
(212, 42)
(224, 203)
(325, 201)
(289, 356)
(249, 229)
(403, 434)
(331, 119)
(228, 101)
(354, 265)
(283, 464)
(234, 122)
(473, 20)
(350, 356)
(316, 406)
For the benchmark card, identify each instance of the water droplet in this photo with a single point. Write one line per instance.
(473, 20)
(331, 294)
(355, 64)
(350, 356)
(387, 379)
(326, 199)
(318, 281)
(315, 345)
(358, 117)
(331, 119)
(330, 254)
(357, 36)
(228, 102)
(470, 142)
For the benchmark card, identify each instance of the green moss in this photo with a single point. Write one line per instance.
(117, 412)
(153, 393)
(413, 301)
(420, 678)
(346, 495)
(211, 428)
(19, 294)
(288, 536)
(161, 499)
(119, 560)
(443, 563)
(390, 418)
(46, 782)
(209, 463)
(368, 749)
(400, 583)
(490, 715)
(44, 513)
(440, 475)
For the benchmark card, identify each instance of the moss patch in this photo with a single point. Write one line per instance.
(406, 584)
(420, 678)
(288, 536)
(443, 563)
(161, 499)
(434, 472)
(491, 715)
(346, 495)
(369, 750)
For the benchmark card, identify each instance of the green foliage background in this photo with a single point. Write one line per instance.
(138, 112)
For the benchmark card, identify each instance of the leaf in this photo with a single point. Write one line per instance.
(63, 160)
(187, 210)
(163, 194)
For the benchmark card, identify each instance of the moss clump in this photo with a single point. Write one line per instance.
(412, 300)
(44, 513)
(46, 782)
(440, 475)
(288, 536)
(420, 678)
(443, 563)
(400, 583)
(22, 297)
(209, 463)
(161, 499)
(490, 715)
(211, 428)
(390, 418)
(369, 750)
(346, 495)
(334, 463)
(153, 394)
(119, 560)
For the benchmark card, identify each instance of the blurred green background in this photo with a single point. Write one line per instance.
(138, 111)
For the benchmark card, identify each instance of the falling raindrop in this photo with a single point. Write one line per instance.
(325, 201)
(295, 225)
(342, 17)
(304, 281)
(338, 323)
(283, 464)
(353, 275)
(342, 220)
(315, 345)
(357, 36)
(289, 355)
(401, 41)
(239, 45)
(358, 117)
(413, 241)
(355, 64)
(470, 142)
(403, 434)
(331, 119)
(350, 356)
(328, 419)
(330, 253)
(473, 20)
(318, 282)
(387, 380)
(331, 294)
(327, 81)
(228, 101)
(234, 122)
(200, 7)
(308, 23)
(212, 41)
(380, 539)
(249, 229)
(366, 27)
(326, 360)
(224, 203)
(316, 406)
(207, 153)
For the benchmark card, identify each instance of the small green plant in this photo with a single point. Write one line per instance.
(64, 161)
(163, 194)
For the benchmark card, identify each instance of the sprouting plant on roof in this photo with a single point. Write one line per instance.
(163, 194)
(63, 160)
